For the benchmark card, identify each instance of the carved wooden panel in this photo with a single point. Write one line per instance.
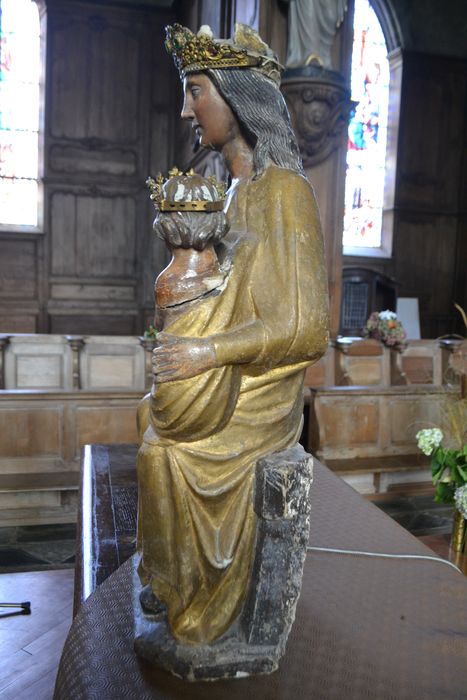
(108, 125)
(99, 231)
(19, 287)
(29, 431)
(37, 362)
(372, 422)
(44, 431)
(48, 372)
(350, 422)
(106, 424)
(407, 415)
(112, 363)
(50, 362)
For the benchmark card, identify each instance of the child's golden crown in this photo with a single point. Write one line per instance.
(213, 202)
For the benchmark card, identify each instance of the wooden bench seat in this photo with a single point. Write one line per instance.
(38, 498)
(366, 434)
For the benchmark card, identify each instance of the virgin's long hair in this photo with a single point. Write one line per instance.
(263, 117)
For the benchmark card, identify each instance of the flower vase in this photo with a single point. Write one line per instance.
(459, 533)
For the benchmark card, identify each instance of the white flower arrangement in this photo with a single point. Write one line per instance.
(448, 465)
(387, 315)
(429, 439)
(384, 326)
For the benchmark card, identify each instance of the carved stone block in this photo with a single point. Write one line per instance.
(257, 639)
(282, 504)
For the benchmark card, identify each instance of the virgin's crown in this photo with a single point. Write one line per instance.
(193, 53)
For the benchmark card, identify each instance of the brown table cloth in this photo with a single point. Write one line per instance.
(366, 627)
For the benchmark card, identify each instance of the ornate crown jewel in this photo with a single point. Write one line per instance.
(193, 53)
(157, 194)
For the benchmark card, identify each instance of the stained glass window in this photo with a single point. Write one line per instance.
(20, 71)
(366, 152)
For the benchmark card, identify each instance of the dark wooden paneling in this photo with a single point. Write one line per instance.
(272, 24)
(105, 77)
(429, 239)
(92, 160)
(433, 98)
(99, 232)
(460, 285)
(13, 320)
(18, 269)
(425, 260)
(460, 276)
(109, 124)
(89, 323)
(111, 117)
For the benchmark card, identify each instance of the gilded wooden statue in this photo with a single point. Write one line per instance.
(231, 356)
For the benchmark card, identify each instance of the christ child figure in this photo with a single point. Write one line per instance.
(191, 221)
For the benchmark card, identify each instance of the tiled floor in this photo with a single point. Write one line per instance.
(420, 515)
(430, 522)
(40, 548)
(37, 548)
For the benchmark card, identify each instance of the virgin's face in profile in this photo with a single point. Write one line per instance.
(208, 113)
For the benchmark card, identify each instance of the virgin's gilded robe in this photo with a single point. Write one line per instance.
(203, 436)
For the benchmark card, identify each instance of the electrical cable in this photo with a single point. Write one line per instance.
(383, 554)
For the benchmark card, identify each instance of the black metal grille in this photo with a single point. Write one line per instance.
(354, 304)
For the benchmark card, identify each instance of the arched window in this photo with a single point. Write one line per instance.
(366, 153)
(20, 90)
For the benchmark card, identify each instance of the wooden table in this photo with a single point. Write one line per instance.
(386, 628)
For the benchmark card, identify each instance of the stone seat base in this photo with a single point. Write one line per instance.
(256, 640)
(226, 658)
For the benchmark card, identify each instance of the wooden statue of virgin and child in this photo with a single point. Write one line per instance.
(241, 311)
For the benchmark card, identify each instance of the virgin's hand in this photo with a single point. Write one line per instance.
(181, 358)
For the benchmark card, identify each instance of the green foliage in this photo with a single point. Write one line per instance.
(449, 472)
(150, 333)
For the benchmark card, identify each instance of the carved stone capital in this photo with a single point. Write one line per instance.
(319, 104)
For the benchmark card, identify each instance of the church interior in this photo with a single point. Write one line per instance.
(78, 260)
